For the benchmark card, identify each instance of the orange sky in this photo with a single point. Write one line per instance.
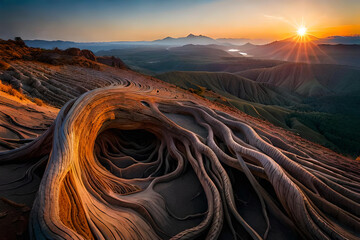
(116, 20)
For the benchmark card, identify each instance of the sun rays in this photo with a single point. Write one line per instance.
(302, 31)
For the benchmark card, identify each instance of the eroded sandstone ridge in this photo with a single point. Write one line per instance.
(124, 162)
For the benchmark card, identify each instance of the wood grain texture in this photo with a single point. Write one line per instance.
(124, 162)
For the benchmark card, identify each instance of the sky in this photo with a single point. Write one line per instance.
(136, 20)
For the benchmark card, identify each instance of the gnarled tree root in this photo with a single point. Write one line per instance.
(123, 163)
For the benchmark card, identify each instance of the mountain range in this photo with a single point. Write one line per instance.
(310, 49)
(171, 41)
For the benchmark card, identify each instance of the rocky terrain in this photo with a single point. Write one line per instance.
(114, 154)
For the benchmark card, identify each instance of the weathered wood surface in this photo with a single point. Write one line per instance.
(123, 162)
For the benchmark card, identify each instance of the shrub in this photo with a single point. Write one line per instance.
(10, 90)
(19, 41)
(38, 101)
(4, 65)
(200, 91)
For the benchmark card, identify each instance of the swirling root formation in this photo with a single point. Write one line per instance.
(123, 163)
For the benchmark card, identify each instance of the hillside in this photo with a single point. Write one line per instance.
(44, 81)
(229, 85)
(309, 79)
(294, 98)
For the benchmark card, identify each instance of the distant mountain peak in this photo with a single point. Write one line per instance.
(249, 44)
(189, 39)
(197, 36)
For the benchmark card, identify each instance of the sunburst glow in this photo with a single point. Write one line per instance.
(301, 31)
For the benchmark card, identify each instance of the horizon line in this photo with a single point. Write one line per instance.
(234, 38)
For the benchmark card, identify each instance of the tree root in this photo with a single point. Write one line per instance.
(115, 157)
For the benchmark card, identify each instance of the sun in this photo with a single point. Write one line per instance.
(301, 31)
